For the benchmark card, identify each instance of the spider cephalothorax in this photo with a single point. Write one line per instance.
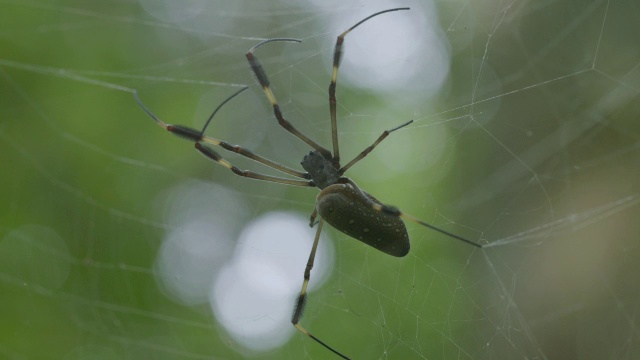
(321, 170)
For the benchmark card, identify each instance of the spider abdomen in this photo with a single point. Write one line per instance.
(345, 209)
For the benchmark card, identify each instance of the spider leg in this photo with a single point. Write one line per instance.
(337, 57)
(258, 70)
(312, 218)
(366, 151)
(198, 137)
(394, 211)
(249, 154)
(213, 155)
(302, 298)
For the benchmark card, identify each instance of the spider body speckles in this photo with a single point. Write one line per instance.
(340, 202)
(348, 209)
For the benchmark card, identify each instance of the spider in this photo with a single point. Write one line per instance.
(341, 203)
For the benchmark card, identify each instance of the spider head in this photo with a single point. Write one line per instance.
(321, 169)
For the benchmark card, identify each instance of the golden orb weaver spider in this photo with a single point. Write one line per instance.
(340, 202)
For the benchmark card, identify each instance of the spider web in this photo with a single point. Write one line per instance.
(118, 241)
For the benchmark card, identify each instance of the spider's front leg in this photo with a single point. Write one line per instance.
(258, 70)
(198, 137)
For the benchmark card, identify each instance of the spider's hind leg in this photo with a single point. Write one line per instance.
(394, 211)
(302, 297)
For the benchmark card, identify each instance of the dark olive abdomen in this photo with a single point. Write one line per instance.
(345, 209)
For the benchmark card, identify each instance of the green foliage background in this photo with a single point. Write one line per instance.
(541, 160)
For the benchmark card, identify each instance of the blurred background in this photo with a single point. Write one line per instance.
(119, 241)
